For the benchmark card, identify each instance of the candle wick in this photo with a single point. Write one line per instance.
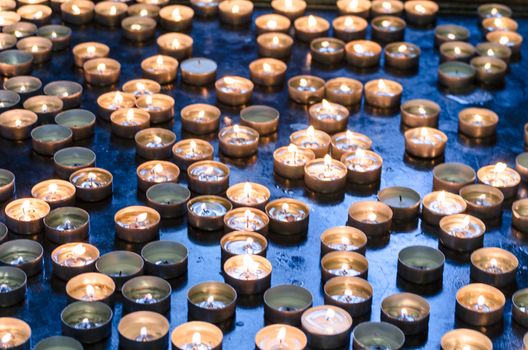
(400, 197)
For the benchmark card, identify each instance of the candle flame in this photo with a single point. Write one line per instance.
(349, 22)
(135, 27)
(175, 43)
(235, 9)
(52, 188)
(481, 300)
(196, 338)
(344, 88)
(148, 100)
(451, 36)
(275, 40)
(325, 44)
(159, 60)
(402, 48)
(38, 15)
(310, 132)
(249, 264)
(288, 3)
(229, 80)
(26, 206)
(494, 11)
(158, 168)
(420, 8)
(285, 207)
(500, 167)
(347, 292)
(487, 66)
(118, 98)
(91, 176)
(266, 67)
(381, 84)
(353, 4)
(248, 215)
(271, 24)
(34, 48)
(504, 40)
(349, 136)
(18, 123)
(143, 332)
(281, 335)
(210, 299)
(477, 118)
(113, 11)
(130, 115)
(53, 35)
(360, 153)
(157, 139)
(303, 82)
(327, 160)
(497, 22)
(330, 314)
(404, 312)
(6, 338)
(176, 14)
(490, 52)
(385, 23)
(79, 250)
(345, 241)
(493, 262)
(90, 50)
(44, 108)
(326, 105)
(101, 67)
(247, 189)
(90, 291)
(457, 50)
(372, 216)
(76, 9)
(312, 21)
(193, 145)
(143, 13)
(142, 217)
(441, 196)
(201, 114)
(386, 5)
(292, 148)
(466, 221)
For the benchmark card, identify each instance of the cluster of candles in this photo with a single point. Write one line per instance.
(325, 155)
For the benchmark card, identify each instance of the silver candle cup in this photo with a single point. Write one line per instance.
(211, 301)
(24, 254)
(166, 259)
(121, 266)
(88, 322)
(286, 303)
(147, 293)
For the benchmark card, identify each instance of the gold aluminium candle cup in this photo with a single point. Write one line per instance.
(395, 32)
(519, 301)
(248, 286)
(291, 171)
(260, 76)
(48, 139)
(514, 42)
(390, 335)
(358, 29)
(465, 74)
(266, 48)
(168, 199)
(330, 125)
(267, 336)
(8, 128)
(362, 9)
(358, 213)
(335, 260)
(323, 339)
(35, 104)
(490, 210)
(334, 91)
(433, 217)
(319, 53)
(80, 51)
(237, 192)
(318, 185)
(453, 339)
(493, 10)
(380, 8)
(22, 329)
(130, 326)
(140, 87)
(96, 312)
(495, 75)
(198, 71)
(448, 51)
(58, 341)
(58, 232)
(62, 37)
(104, 15)
(181, 51)
(410, 60)
(205, 8)
(80, 121)
(341, 143)
(118, 119)
(337, 286)
(165, 259)
(92, 194)
(18, 280)
(286, 303)
(322, 138)
(426, 151)
(409, 301)
(7, 187)
(128, 232)
(286, 227)
(182, 334)
(504, 258)
(234, 98)
(509, 191)
(138, 28)
(374, 98)
(9, 17)
(494, 50)
(207, 223)
(332, 240)
(194, 125)
(411, 116)
(182, 156)
(86, 9)
(452, 177)
(65, 192)
(143, 137)
(120, 265)
(21, 29)
(281, 24)
(162, 76)
(421, 18)
(520, 215)
(33, 226)
(238, 150)
(69, 160)
(468, 314)
(24, 85)
(160, 109)
(242, 236)
(450, 32)
(221, 292)
(487, 126)
(461, 244)
(403, 201)
(31, 251)
(303, 96)
(179, 24)
(263, 219)
(43, 45)
(521, 164)
(305, 33)
(76, 287)
(9, 99)
(362, 177)
(139, 286)
(243, 16)
(420, 264)
(65, 272)
(208, 186)
(359, 59)
(36, 14)
(109, 77)
(294, 11)
(262, 118)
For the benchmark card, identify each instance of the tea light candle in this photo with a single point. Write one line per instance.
(353, 294)
(500, 176)
(235, 12)
(92, 184)
(520, 215)
(456, 51)
(137, 224)
(16, 124)
(327, 51)
(348, 28)
(343, 238)
(306, 89)
(465, 337)
(141, 87)
(45, 107)
(326, 326)
(189, 151)
(59, 35)
(264, 119)
(34, 13)
(380, 334)
(112, 101)
(208, 177)
(234, 90)
(159, 106)
(519, 306)
(489, 70)
(248, 274)
(120, 265)
(421, 12)
(144, 10)
(207, 212)
(461, 232)
(58, 340)
(238, 141)
(403, 201)
(289, 8)
(425, 142)
(343, 263)
(147, 293)
(402, 55)
(200, 119)
(109, 13)
(388, 29)
(21, 29)
(363, 166)
(168, 199)
(165, 259)
(289, 161)
(494, 50)
(277, 45)
(450, 32)
(280, 335)
(39, 47)
(7, 41)
(246, 219)
(9, 17)
(267, 71)
(70, 159)
(156, 171)
(7, 184)
(56, 193)
(420, 112)
(176, 18)
(479, 304)
(494, 10)
(13, 286)
(386, 7)
(69, 92)
(344, 91)
(101, 71)
(90, 286)
(24, 254)
(360, 8)
(25, 215)
(348, 141)
(409, 312)
(272, 23)
(138, 28)
(212, 301)
(89, 322)
(15, 333)
(438, 204)
(452, 176)
(197, 334)
(325, 175)
(25, 86)
(154, 143)
(67, 224)
(80, 121)
(71, 259)
(310, 27)
(126, 122)
(316, 140)
(77, 12)
(505, 24)
(288, 216)
(248, 194)
(512, 40)
(420, 264)
(383, 93)
(89, 50)
(483, 201)
(205, 8)
(371, 217)
(285, 304)
(160, 68)
(493, 266)
(477, 122)
(328, 116)
(198, 71)
(242, 242)
(142, 329)
(15, 62)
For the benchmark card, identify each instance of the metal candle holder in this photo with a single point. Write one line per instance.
(166, 259)
(353, 294)
(120, 265)
(24, 254)
(147, 293)
(13, 288)
(409, 312)
(143, 329)
(69, 160)
(88, 322)
(420, 264)
(286, 303)
(211, 301)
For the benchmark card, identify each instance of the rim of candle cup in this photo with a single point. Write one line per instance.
(418, 324)
(40, 190)
(385, 329)
(151, 86)
(120, 8)
(91, 250)
(91, 278)
(54, 103)
(490, 119)
(432, 195)
(211, 331)
(287, 227)
(169, 271)
(497, 279)
(323, 146)
(81, 218)
(475, 317)
(484, 8)
(58, 341)
(504, 52)
(508, 24)
(117, 117)
(211, 288)
(77, 120)
(383, 212)
(12, 83)
(339, 284)
(403, 213)
(439, 31)
(411, 61)
(518, 218)
(462, 244)
(164, 40)
(159, 3)
(360, 61)
(359, 140)
(19, 291)
(81, 152)
(282, 22)
(426, 275)
(515, 39)
(10, 16)
(331, 126)
(453, 338)
(27, 246)
(395, 8)
(431, 5)
(317, 185)
(233, 235)
(139, 319)
(277, 6)
(164, 208)
(23, 331)
(233, 190)
(88, 194)
(152, 10)
(414, 119)
(134, 234)
(293, 171)
(319, 82)
(519, 299)
(307, 34)
(350, 258)
(257, 212)
(481, 289)
(21, 29)
(371, 87)
(162, 305)
(134, 260)
(328, 56)
(71, 314)
(285, 304)
(27, 12)
(186, 15)
(363, 177)
(273, 78)
(481, 210)
(442, 173)
(352, 233)
(267, 51)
